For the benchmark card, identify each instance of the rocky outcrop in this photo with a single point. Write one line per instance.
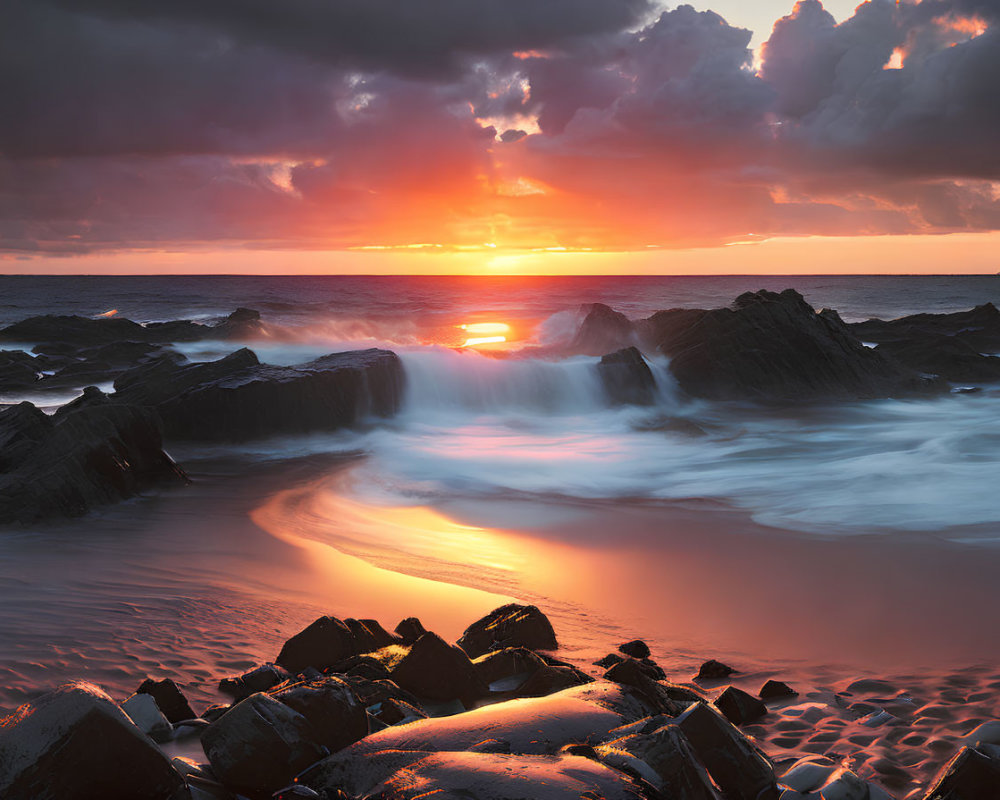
(773, 347)
(949, 357)
(979, 328)
(68, 464)
(511, 625)
(76, 744)
(627, 378)
(238, 398)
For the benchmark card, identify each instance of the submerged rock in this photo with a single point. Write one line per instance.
(67, 465)
(76, 744)
(511, 625)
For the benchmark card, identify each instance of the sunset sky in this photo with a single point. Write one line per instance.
(499, 136)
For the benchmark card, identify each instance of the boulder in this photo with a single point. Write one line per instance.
(511, 625)
(237, 398)
(409, 630)
(627, 378)
(259, 746)
(773, 690)
(636, 649)
(603, 330)
(392, 712)
(633, 674)
(369, 634)
(93, 456)
(739, 707)
(259, 679)
(970, 775)
(773, 347)
(434, 670)
(143, 711)
(738, 768)
(169, 699)
(511, 662)
(548, 680)
(713, 670)
(334, 711)
(322, 644)
(76, 744)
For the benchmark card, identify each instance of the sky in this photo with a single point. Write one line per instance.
(499, 136)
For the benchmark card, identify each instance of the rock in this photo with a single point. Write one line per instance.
(18, 371)
(434, 670)
(775, 689)
(665, 758)
(334, 711)
(169, 699)
(92, 396)
(76, 744)
(627, 378)
(237, 398)
(369, 635)
(970, 775)
(510, 662)
(91, 457)
(978, 327)
(636, 649)
(773, 347)
(631, 673)
(740, 707)
(548, 680)
(736, 766)
(950, 357)
(511, 625)
(322, 644)
(393, 712)
(259, 745)
(608, 661)
(259, 679)
(409, 630)
(603, 330)
(243, 323)
(713, 670)
(143, 711)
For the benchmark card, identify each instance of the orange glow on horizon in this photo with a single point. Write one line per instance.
(477, 340)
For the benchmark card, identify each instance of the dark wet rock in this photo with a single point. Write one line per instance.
(434, 670)
(603, 330)
(636, 648)
(364, 666)
(511, 625)
(631, 673)
(369, 634)
(773, 347)
(979, 327)
(169, 699)
(681, 694)
(393, 711)
(18, 371)
(627, 378)
(259, 679)
(324, 643)
(507, 663)
(334, 711)
(409, 630)
(147, 717)
(740, 707)
(90, 457)
(548, 680)
(970, 775)
(92, 396)
(677, 773)
(237, 398)
(260, 745)
(773, 689)
(372, 693)
(83, 331)
(713, 670)
(76, 744)
(950, 357)
(609, 660)
(735, 764)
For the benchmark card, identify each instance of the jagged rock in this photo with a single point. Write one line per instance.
(18, 371)
(773, 347)
(603, 330)
(259, 745)
(369, 635)
(510, 662)
(434, 670)
(169, 699)
(665, 758)
(714, 670)
(336, 715)
(259, 679)
(145, 713)
(970, 775)
(511, 625)
(636, 649)
(93, 456)
(774, 689)
(627, 378)
(735, 764)
(633, 674)
(237, 398)
(409, 630)
(92, 396)
(740, 707)
(324, 643)
(76, 744)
